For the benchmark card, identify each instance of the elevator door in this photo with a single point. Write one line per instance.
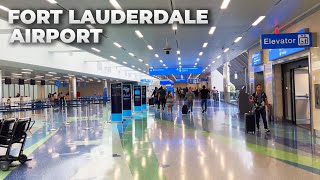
(301, 97)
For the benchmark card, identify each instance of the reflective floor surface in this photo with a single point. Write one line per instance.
(80, 143)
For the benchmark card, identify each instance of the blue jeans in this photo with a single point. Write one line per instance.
(204, 102)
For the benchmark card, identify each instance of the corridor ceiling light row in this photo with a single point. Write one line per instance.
(258, 20)
(212, 29)
(138, 33)
(95, 49)
(225, 4)
(238, 39)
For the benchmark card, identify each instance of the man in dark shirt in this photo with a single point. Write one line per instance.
(259, 98)
(204, 94)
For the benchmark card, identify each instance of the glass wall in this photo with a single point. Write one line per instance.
(11, 90)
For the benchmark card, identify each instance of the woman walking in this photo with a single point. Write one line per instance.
(170, 102)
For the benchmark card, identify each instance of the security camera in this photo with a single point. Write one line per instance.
(167, 48)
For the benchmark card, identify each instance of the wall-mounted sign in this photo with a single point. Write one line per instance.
(194, 81)
(116, 102)
(282, 52)
(126, 100)
(57, 83)
(137, 98)
(175, 71)
(256, 58)
(289, 40)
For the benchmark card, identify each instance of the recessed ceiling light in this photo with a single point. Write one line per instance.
(164, 64)
(52, 73)
(133, 66)
(138, 33)
(200, 54)
(27, 70)
(205, 45)
(198, 59)
(150, 47)
(113, 57)
(140, 60)
(151, 67)
(226, 50)
(238, 39)
(156, 55)
(179, 58)
(213, 62)
(180, 66)
(225, 4)
(139, 69)
(209, 65)
(258, 20)
(52, 1)
(179, 63)
(147, 64)
(117, 44)
(16, 74)
(174, 26)
(90, 26)
(212, 29)
(178, 52)
(95, 49)
(115, 4)
(131, 54)
(195, 63)
(218, 57)
(49, 75)
(4, 8)
(161, 61)
(144, 71)
(124, 62)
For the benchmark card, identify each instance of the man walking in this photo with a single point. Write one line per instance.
(204, 94)
(190, 98)
(259, 98)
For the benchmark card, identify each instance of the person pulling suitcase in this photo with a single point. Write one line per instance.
(260, 100)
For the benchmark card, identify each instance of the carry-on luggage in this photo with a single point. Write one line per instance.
(184, 109)
(151, 101)
(250, 122)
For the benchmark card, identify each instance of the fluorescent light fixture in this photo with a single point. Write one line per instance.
(164, 64)
(16, 74)
(238, 39)
(156, 55)
(95, 49)
(52, 73)
(174, 26)
(39, 77)
(236, 76)
(57, 77)
(212, 29)
(90, 26)
(4, 8)
(150, 47)
(27, 70)
(52, 1)
(225, 4)
(258, 20)
(113, 57)
(180, 66)
(133, 66)
(226, 50)
(200, 54)
(218, 57)
(84, 76)
(161, 61)
(140, 60)
(131, 54)
(195, 63)
(66, 76)
(198, 59)
(144, 71)
(205, 45)
(124, 62)
(138, 33)
(213, 62)
(117, 44)
(178, 52)
(115, 4)
(151, 67)
(179, 58)
(139, 69)
(147, 64)
(179, 63)
(49, 75)
(209, 65)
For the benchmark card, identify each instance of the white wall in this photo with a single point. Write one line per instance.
(217, 80)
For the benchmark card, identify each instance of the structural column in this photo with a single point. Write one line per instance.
(1, 86)
(73, 87)
(226, 82)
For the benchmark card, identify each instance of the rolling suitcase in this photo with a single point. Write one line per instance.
(184, 109)
(151, 101)
(250, 122)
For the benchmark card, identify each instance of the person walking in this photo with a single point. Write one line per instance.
(170, 102)
(204, 94)
(162, 98)
(154, 95)
(190, 98)
(260, 100)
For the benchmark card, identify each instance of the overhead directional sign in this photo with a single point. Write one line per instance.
(256, 58)
(170, 71)
(181, 80)
(289, 40)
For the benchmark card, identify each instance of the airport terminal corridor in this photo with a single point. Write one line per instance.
(81, 143)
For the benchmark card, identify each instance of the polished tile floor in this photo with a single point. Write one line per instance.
(80, 143)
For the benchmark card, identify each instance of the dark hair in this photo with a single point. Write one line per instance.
(203, 86)
(258, 85)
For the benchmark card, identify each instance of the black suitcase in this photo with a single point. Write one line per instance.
(184, 109)
(250, 122)
(151, 102)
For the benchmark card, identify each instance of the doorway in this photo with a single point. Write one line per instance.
(296, 93)
(258, 79)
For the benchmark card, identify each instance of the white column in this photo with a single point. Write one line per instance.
(73, 87)
(1, 87)
(105, 87)
(226, 81)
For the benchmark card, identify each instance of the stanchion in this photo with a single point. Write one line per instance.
(52, 119)
(87, 125)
